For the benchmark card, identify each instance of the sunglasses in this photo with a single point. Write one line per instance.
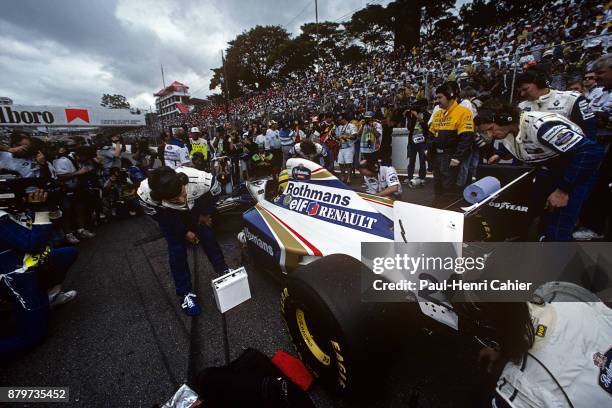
(589, 78)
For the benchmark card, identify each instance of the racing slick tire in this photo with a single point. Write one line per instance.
(343, 340)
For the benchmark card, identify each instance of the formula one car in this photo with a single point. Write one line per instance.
(309, 233)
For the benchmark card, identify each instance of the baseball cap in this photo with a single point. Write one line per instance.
(368, 114)
(195, 129)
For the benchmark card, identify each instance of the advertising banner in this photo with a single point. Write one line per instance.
(67, 116)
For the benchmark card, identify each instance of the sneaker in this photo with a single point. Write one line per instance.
(72, 239)
(416, 182)
(62, 298)
(83, 233)
(190, 305)
(585, 234)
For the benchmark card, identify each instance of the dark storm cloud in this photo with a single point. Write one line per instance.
(71, 51)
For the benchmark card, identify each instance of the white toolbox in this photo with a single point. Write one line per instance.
(231, 289)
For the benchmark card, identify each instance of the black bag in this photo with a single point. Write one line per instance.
(253, 381)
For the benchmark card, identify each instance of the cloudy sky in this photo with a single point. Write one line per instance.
(73, 51)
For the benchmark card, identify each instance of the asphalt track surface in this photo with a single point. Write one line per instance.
(124, 342)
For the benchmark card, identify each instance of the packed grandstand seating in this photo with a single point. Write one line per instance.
(484, 58)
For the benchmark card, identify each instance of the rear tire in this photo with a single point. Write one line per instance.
(343, 340)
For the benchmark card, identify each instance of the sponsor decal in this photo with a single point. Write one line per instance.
(287, 200)
(541, 330)
(556, 103)
(11, 116)
(604, 362)
(509, 206)
(336, 215)
(300, 173)
(306, 191)
(312, 208)
(258, 242)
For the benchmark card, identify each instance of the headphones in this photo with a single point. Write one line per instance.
(449, 89)
(503, 118)
(536, 76)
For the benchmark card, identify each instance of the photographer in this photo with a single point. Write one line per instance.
(76, 174)
(119, 194)
(31, 273)
(418, 135)
(182, 203)
(24, 157)
(223, 171)
(110, 155)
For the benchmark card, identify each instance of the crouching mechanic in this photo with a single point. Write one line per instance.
(567, 161)
(380, 180)
(182, 203)
(31, 274)
(545, 354)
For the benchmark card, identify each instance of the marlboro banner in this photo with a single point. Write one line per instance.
(23, 115)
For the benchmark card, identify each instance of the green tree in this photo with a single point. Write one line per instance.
(254, 57)
(114, 101)
(410, 18)
(372, 26)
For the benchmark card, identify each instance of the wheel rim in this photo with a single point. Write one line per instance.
(309, 340)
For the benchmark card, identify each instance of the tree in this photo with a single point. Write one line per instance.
(409, 17)
(114, 101)
(372, 26)
(254, 57)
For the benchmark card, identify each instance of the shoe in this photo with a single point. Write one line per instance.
(72, 239)
(62, 298)
(132, 213)
(190, 305)
(585, 234)
(416, 182)
(83, 233)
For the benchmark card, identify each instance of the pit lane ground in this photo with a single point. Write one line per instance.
(125, 343)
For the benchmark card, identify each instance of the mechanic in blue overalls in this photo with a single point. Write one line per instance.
(182, 203)
(566, 159)
(31, 274)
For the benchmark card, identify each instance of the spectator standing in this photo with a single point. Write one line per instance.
(370, 137)
(286, 136)
(110, 154)
(346, 134)
(418, 134)
(176, 153)
(24, 157)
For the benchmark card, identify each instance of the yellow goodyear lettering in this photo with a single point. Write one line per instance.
(342, 375)
(284, 296)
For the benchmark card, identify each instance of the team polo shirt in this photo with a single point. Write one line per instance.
(449, 127)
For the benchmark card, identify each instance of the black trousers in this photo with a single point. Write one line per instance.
(445, 180)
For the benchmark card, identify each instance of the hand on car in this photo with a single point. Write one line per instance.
(493, 159)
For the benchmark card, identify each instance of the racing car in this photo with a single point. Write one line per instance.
(309, 234)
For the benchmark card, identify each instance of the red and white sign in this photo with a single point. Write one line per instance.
(24, 115)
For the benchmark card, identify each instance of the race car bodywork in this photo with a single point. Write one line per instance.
(318, 215)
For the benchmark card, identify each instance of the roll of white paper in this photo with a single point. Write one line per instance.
(481, 189)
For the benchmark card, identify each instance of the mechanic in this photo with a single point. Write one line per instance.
(379, 179)
(534, 347)
(31, 273)
(534, 86)
(452, 127)
(308, 150)
(176, 152)
(182, 203)
(567, 161)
